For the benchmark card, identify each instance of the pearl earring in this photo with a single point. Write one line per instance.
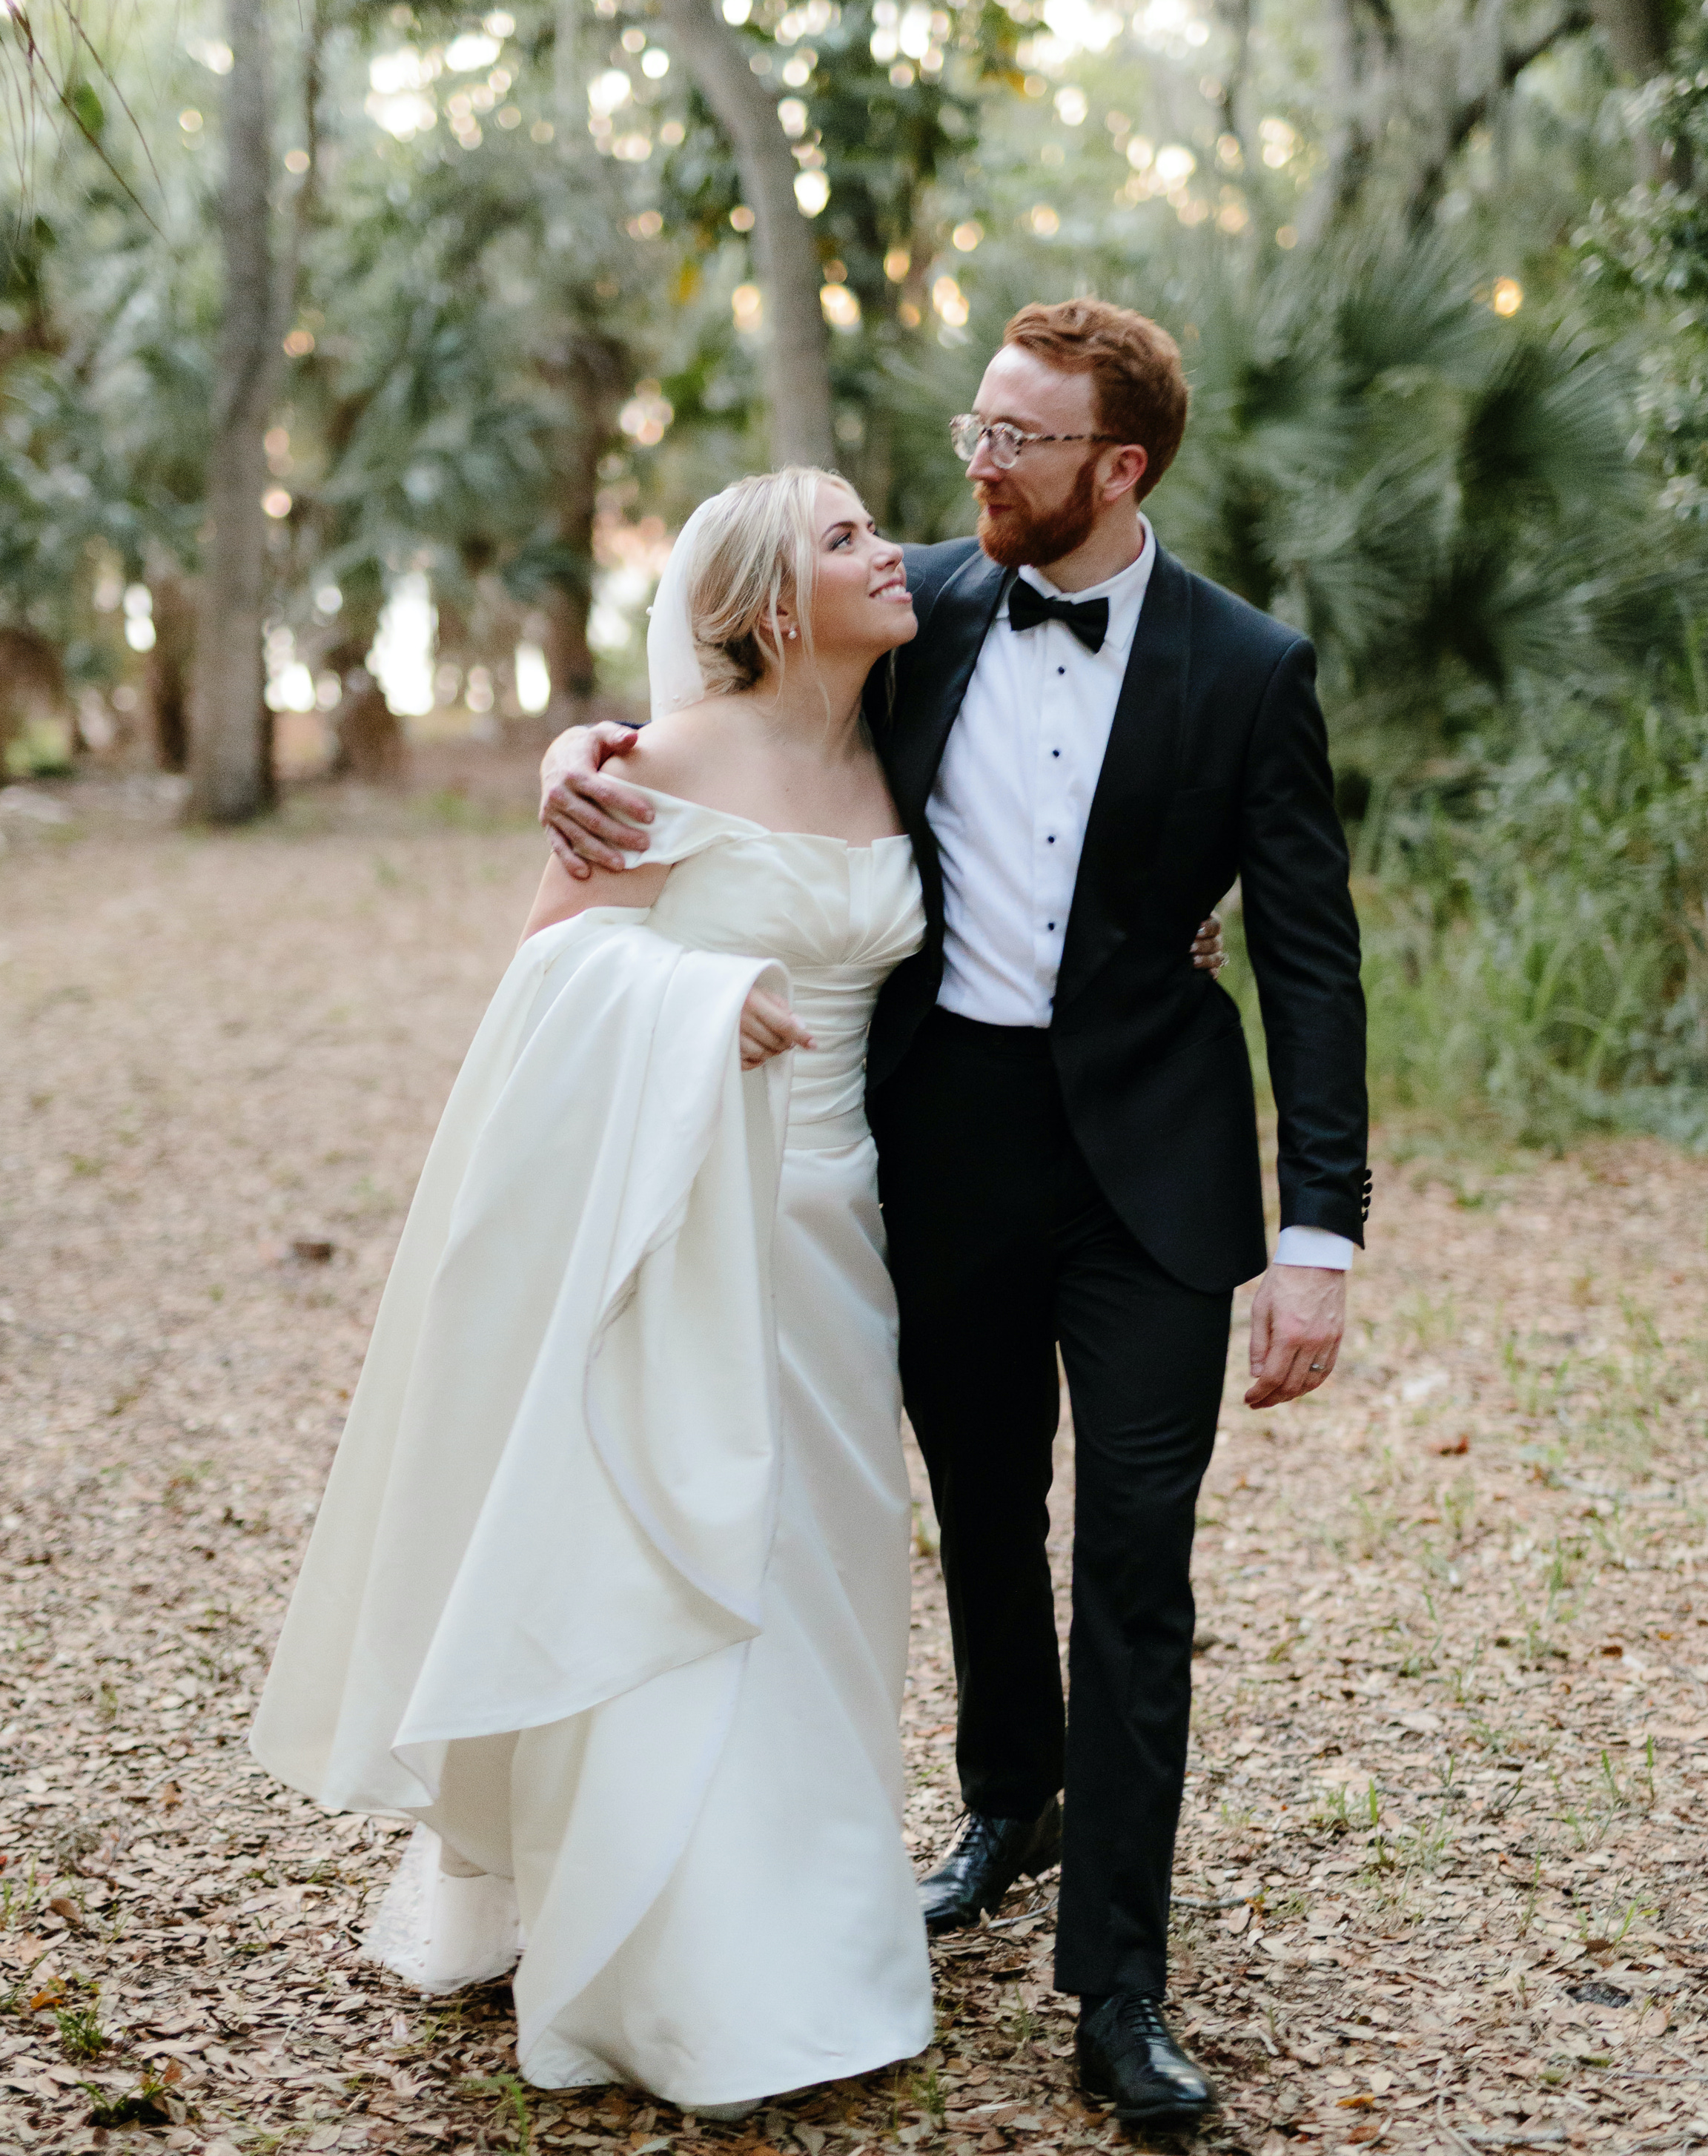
(792, 634)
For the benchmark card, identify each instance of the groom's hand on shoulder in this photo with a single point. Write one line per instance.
(578, 804)
(1297, 1318)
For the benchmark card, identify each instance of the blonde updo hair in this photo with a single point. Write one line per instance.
(758, 546)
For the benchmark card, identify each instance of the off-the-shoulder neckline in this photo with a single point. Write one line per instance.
(765, 830)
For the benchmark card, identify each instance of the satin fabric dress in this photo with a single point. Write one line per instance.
(609, 1588)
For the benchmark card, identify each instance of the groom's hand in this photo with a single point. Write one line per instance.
(577, 800)
(1297, 1319)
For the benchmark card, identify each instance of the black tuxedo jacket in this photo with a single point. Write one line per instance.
(1217, 768)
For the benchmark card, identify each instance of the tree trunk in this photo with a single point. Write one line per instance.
(230, 759)
(1450, 122)
(569, 657)
(877, 467)
(1637, 33)
(1236, 21)
(32, 691)
(1638, 36)
(567, 602)
(1360, 57)
(169, 669)
(797, 344)
(370, 742)
(591, 374)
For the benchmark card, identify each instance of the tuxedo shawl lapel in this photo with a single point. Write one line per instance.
(1140, 771)
(949, 639)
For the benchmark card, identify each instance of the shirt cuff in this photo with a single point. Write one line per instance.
(1314, 1246)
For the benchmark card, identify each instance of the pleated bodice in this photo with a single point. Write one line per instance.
(840, 918)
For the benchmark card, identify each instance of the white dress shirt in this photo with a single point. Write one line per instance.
(1009, 810)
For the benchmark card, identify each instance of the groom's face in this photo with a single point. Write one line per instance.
(1046, 505)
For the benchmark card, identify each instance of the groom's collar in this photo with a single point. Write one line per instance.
(1112, 588)
(1125, 592)
(954, 621)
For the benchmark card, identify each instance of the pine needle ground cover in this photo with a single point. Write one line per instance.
(1442, 1867)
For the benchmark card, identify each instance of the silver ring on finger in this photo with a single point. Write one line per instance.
(1317, 1366)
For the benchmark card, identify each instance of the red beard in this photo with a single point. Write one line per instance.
(1016, 541)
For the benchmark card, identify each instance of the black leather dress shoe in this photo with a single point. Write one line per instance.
(1126, 2052)
(985, 1858)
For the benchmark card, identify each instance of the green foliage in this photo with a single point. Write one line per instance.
(512, 2110)
(153, 2103)
(1644, 259)
(1535, 930)
(418, 425)
(1441, 498)
(105, 320)
(81, 2036)
(1548, 953)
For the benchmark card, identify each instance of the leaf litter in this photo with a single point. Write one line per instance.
(1441, 1877)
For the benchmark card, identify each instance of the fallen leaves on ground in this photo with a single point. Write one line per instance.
(1441, 1863)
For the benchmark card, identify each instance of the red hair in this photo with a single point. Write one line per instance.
(1138, 384)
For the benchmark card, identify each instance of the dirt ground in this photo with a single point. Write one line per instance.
(1441, 1873)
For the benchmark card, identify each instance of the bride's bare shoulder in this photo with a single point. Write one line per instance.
(689, 754)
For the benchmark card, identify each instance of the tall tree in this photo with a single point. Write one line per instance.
(1406, 93)
(582, 360)
(798, 346)
(231, 776)
(1639, 35)
(588, 373)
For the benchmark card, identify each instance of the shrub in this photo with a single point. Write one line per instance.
(1535, 944)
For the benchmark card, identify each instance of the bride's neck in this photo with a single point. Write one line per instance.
(814, 703)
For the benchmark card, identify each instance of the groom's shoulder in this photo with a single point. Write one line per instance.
(1223, 617)
(929, 568)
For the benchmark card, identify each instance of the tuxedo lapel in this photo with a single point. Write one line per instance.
(949, 639)
(1140, 771)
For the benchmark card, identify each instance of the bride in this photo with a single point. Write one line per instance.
(609, 1588)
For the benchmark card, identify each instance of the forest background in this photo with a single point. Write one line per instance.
(357, 361)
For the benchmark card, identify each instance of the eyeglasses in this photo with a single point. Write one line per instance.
(1006, 441)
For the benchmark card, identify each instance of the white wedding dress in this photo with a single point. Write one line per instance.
(609, 1588)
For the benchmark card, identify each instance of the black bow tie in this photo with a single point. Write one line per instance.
(1088, 619)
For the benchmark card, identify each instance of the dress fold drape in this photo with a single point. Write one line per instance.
(557, 1478)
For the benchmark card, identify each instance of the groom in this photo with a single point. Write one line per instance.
(1088, 744)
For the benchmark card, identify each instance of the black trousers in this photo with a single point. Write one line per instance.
(1002, 1246)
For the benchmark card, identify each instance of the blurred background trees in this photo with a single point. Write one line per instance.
(351, 399)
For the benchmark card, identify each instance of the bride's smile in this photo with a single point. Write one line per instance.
(860, 601)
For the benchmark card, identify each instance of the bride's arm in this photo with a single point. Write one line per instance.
(768, 1027)
(561, 896)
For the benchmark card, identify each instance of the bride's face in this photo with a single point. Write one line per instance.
(860, 605)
